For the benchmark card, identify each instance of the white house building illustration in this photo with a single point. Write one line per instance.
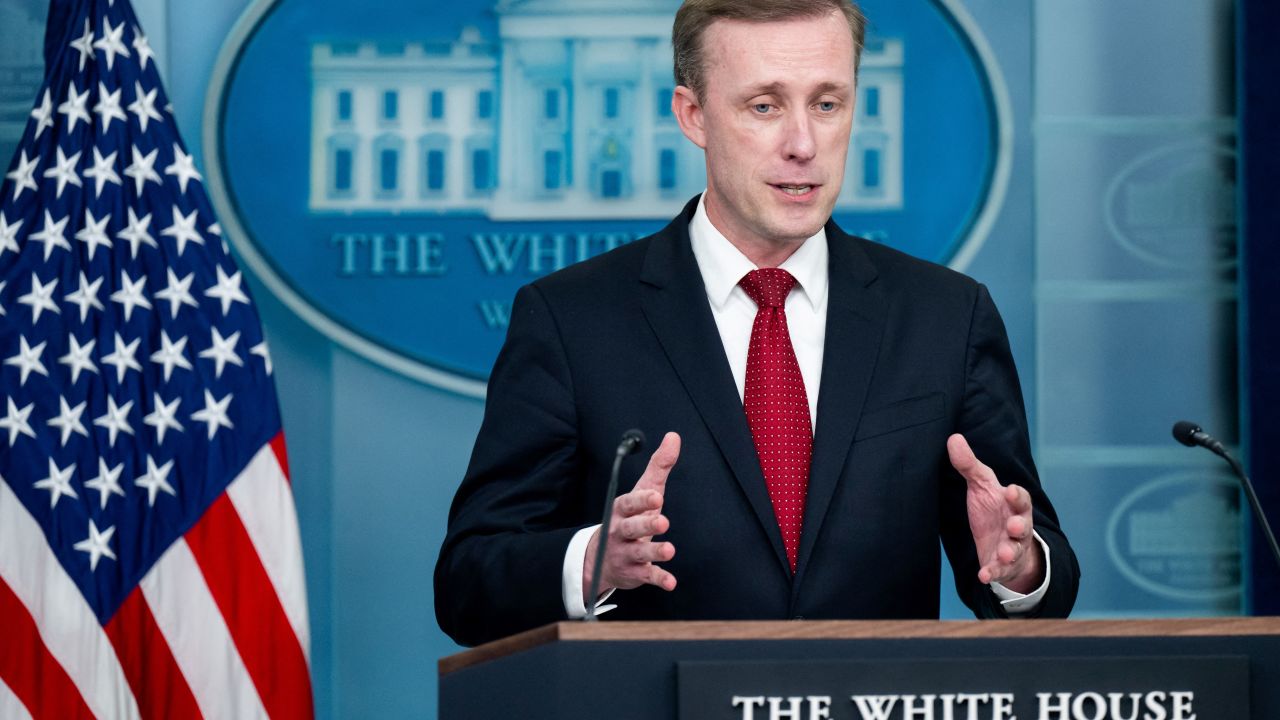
(566, 114)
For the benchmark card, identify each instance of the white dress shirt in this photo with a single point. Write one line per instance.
(722, 266)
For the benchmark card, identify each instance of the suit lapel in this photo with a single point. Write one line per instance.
(674, 301)
(855, 323)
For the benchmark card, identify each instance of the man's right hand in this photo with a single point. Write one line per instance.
(637, 516)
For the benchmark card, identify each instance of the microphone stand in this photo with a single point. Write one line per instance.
(631, 441)
(1190, 434)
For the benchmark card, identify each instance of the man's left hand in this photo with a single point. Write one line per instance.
(1000, 518)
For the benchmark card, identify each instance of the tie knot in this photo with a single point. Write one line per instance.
(768, 287)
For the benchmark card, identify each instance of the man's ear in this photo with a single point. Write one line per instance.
(688, 111)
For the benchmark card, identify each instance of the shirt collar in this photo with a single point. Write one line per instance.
(722, 265)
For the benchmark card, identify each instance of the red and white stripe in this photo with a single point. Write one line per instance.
(10, 706)
(216, 629)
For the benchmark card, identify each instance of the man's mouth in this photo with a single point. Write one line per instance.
(795, 190)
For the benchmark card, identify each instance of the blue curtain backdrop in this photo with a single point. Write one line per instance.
(1112, 257)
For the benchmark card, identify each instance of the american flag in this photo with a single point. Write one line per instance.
(150, 563)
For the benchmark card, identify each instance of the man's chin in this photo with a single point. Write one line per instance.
(802, 222)
(798, 231)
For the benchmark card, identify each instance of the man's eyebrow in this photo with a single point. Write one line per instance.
(775, 88)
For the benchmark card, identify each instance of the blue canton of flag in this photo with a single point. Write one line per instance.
(149, 555)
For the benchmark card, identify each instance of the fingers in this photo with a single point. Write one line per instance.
(966, 463)
(1011, 552)
(1019, 524)
(661, 578)
(1005, 564)
(1019, 499)
(1018, 527)
(636, 502)
(631, 565)
(649, 575)
(640, 527)
(660, 464)
(637, 517)
(641, 553)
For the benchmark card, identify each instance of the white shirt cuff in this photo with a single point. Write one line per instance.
(575, 556)
(1014, 603)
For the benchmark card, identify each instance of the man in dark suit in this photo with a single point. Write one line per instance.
(824, 399)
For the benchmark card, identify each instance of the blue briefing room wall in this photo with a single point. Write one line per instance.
(375, 457)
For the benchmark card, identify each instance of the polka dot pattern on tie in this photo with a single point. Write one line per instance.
(776, 404)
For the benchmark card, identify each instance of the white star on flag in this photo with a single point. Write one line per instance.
(155, 480)
(84, 45)
(222, 351)
(144, 106)
(115, 420)
(108, 107)
(131, 294)
(110, 43)
(183, 167)
(177, 292)
(86, 296)
(68, 420)
(94, 232)
(16, 421)
(263, 352)
(40, 298)
(9, 234)
(171, 354)
(58, 483)
(75, 107)
(51, 234)
(43, 114)
(28, 359)
(123, 358)
(107, 483)
(103, 171)
(163, 417)
(142, 47)
(214, 413)
(23, 176)
(64, 172)
(227, 290)
(137, 233)
(183, 229)
(216, 229)
(142, 169)
(97, 545)
(77, 357)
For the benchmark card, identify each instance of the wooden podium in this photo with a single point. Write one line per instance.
(770, 670)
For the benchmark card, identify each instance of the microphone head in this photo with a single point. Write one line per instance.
(1185, 431)
(633, 439)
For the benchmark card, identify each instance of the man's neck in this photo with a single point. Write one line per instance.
(762, 252)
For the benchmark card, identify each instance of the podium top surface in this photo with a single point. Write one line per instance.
(853, 630)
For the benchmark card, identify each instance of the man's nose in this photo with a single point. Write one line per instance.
(798, 142)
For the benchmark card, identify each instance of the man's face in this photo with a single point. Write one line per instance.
(775, 123)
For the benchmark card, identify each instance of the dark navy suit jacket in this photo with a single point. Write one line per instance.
(914, 352)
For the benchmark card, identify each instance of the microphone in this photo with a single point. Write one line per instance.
(1190, 434)
(632, 440)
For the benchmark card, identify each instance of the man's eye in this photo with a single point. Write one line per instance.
(761, 108)
(826, 106)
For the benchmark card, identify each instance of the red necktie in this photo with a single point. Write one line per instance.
(776, 404)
